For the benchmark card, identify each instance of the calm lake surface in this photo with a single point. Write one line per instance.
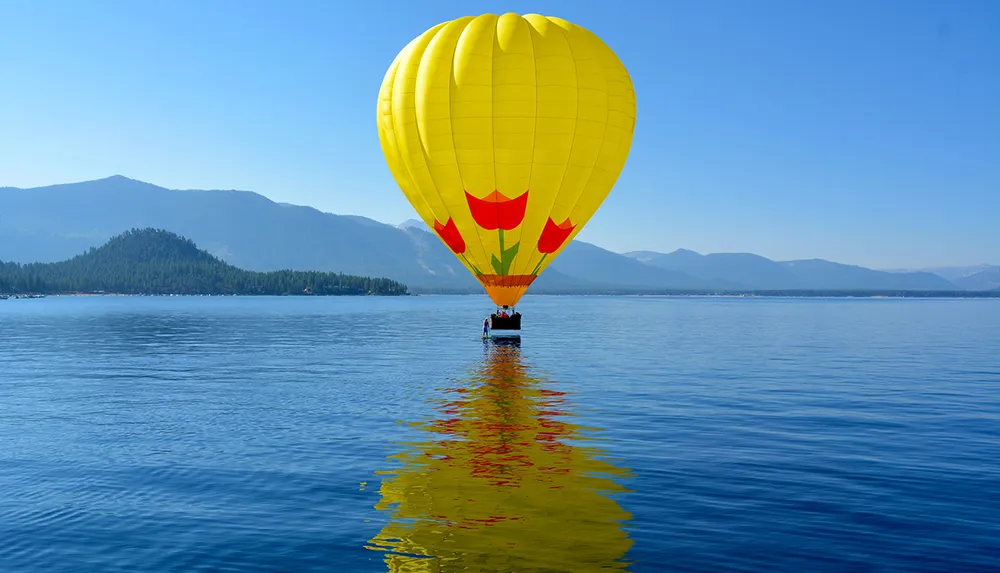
(382, 434)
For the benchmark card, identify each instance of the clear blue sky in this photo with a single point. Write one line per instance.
(861, 131)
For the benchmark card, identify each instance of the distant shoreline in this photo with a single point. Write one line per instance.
(832, 293)
(699, 294)
(122, 294)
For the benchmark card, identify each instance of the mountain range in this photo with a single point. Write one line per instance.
(245, 229)
(976, 277)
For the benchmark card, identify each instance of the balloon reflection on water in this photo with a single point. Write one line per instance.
(504, 482)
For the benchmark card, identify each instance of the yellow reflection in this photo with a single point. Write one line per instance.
(500, 487)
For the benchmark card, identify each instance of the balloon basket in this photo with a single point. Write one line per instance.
(503, 323)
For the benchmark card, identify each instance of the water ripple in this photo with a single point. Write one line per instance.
(685, 434)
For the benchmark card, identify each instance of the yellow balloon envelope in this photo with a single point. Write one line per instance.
(506, 133)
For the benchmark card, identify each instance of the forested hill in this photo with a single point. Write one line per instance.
(153, 261)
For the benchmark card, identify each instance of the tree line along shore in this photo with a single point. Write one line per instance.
(157, 262)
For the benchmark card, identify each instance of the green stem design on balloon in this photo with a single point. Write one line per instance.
(539, 265)
(468, 262)
(502, 265)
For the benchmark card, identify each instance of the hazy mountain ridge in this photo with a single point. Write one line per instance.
(972, 277)
(248, 230)
(987, 279)
(950, 273)
(758, 272)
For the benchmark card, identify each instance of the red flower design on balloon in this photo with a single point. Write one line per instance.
(495, 211)
(553, 235)
(450, 235)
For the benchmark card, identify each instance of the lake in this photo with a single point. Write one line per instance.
(382, 434)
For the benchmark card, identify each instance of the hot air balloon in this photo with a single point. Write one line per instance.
(506, 133)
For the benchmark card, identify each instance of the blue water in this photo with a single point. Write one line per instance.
(375, 434)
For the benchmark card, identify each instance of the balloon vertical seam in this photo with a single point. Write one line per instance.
(452, 82)
(522, 269)
(576, 123)
(401, 163)
(604, 141)
(494, 40)
(423, 150)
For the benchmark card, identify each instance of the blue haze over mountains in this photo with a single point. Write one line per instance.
(245, 229)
